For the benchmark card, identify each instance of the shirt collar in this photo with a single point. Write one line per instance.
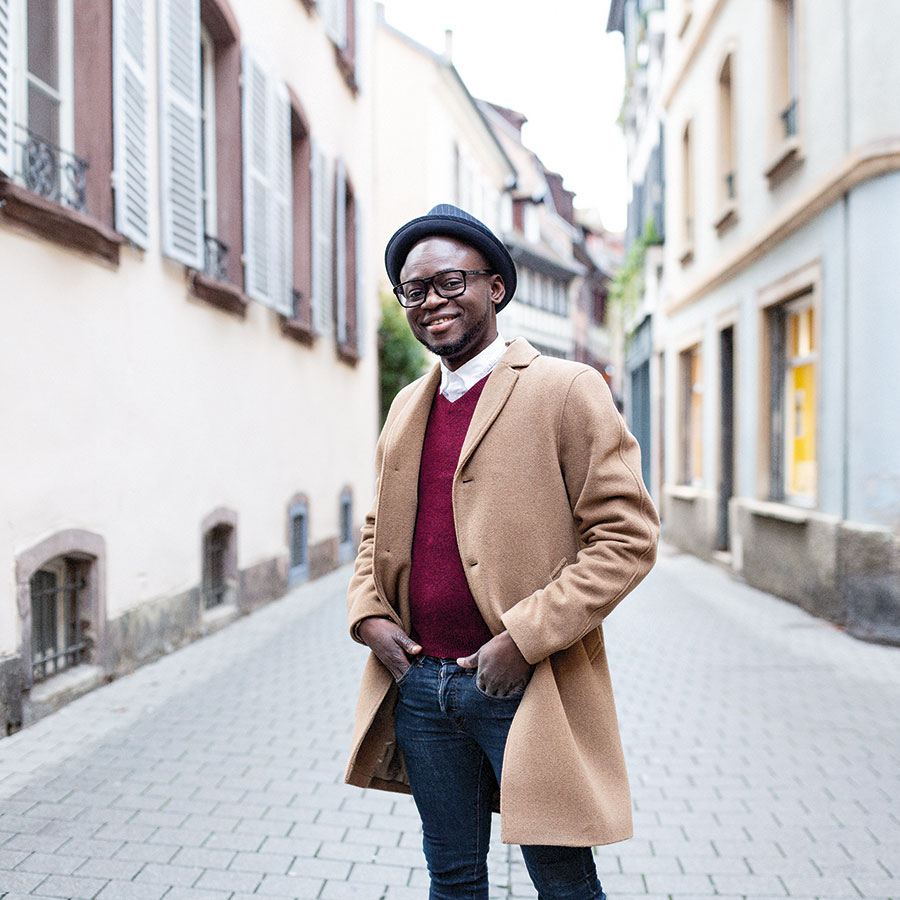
(455, 384)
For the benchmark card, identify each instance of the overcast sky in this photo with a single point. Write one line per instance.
(555, 63)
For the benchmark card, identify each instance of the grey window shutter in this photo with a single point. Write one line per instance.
(335, 16)
(360, 281)
(322, 198)
(340, 250)
(130, 120)
(282, 256)
(6, 122)
(257, 219)
(180, 144)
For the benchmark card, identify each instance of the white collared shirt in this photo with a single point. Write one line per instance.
(455, 384)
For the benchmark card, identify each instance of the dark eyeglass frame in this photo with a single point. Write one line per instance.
(429, 282)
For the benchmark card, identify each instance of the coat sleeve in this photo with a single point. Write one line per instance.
(616, 521)
(363, 598)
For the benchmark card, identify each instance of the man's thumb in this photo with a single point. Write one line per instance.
(468, 662)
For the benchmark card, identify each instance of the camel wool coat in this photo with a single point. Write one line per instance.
(554, 527)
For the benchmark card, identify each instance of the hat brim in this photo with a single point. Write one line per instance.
(483, 240)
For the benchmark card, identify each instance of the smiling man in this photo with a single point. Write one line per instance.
(510, 519)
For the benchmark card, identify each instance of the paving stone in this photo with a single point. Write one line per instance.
(158, 853)
(122, 869)
(128, 890)
(70, 887)
(749, 885)
(203, 857)
(226, 841)
(214, 880)
(20, 881)
(50, 863)
(380, 873)
(290, 887)
(679, 884)
(159, 873)
(819, 887)
(345, 890)
(877, 887)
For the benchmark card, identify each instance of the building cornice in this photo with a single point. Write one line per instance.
(701, 35)
(860, 165)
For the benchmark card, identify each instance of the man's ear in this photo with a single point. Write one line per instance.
(498, 289)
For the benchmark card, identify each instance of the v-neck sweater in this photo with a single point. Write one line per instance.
(445, 619)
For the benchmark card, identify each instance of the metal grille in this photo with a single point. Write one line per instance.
(789, 119)
(215, 582)
(51, 172)
(57, 629)
(298, 540)
(215, 257)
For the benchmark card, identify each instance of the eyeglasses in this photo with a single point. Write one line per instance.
(446, 284)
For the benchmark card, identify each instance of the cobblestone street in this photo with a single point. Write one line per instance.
(763, 746)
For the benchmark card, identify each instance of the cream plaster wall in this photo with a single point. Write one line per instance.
(136, 409)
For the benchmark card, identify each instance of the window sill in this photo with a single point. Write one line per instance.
(727, 218)
(786, 161)
(783, 512)
(220, 294)
(348, 353)
(683, 492)
(687, 255)
(298, 329)
(347, 68)
(63, 226)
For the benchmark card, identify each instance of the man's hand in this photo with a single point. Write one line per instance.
(502, 669)
(389, 642)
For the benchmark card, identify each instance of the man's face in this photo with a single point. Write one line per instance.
(460, 328)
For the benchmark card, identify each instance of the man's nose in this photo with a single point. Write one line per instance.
(432, 297)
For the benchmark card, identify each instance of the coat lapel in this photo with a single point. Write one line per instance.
(495, 394)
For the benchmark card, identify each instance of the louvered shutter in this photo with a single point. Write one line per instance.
(282, 256)
(6, 122)
(340, 250)
(335, 15)
(322, 198)
(181, 140)
(255, 129)
(130, 120)
(360, 281)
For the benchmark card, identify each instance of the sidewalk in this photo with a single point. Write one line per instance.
(763, 745)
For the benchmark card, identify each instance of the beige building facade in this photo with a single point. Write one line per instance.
(187, 350)
(782, 169)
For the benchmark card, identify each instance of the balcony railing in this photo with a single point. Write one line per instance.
(789, 119)
(215, 257)
(50, 171)
(729, 186)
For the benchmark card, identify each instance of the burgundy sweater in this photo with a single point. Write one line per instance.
(445, 619)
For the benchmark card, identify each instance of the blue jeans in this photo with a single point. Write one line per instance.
(452, 736)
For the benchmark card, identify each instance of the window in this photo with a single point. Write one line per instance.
(214, 250)
(340, 25)
(58, 617)
(219, 576)
(687, 182)
(691, 416)
(56, 120)
(792, 402)
(784, 117)
(345, 267)
(322, 198)
(785, 69)
(268, 189)
(298, 525)
(346, 548)
(727, 186)
(218, 587)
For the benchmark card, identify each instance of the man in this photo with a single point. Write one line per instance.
(510, 519)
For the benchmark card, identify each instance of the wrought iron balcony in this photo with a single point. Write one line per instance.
(215, 256)
(789, 119)
(729, 186)
(50, 171)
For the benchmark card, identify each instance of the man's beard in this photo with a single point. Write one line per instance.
(459, 345)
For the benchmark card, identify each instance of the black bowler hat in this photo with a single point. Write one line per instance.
(445, 220)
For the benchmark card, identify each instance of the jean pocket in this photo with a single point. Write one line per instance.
(405, 676)
(515, 695)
